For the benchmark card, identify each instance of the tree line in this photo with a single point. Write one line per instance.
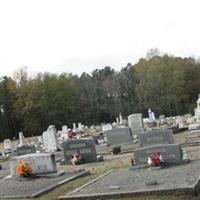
(168, 85)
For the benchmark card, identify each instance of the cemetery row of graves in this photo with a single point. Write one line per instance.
(158, 163)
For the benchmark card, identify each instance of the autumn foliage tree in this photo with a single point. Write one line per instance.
(168, 85)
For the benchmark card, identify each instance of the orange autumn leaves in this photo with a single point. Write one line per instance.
(23, 169)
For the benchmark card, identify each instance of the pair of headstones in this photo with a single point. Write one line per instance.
(158, 141)
(118, 136)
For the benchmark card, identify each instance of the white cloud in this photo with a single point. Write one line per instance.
(76, 36)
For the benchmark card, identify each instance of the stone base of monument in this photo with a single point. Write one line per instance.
(35, 186)
(125, 183)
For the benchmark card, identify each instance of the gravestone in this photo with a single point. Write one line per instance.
(25, 149)
(151, 115)
(84, 147)
(135, 122)
(155, 137)
(119, 136)
(40, 163)
(179, 122)
(162, 118)
(50, 139)
(21, 139)
(120, 119)
(64, 132)
(197, 110)
(80, 127)
(7, 144)
(117, 120)
(106, 127)
(40, 139)
(171, 153)
(74, 128)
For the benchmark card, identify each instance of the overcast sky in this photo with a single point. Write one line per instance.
(82, 35)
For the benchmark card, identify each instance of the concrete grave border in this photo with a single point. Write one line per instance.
(193, 189)
(47, 189)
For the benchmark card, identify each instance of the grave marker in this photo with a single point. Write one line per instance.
(119, 136)
(171, 153)
(7, 144)
(155, 137)
(135, 122)
(25, 149)
(106, 127)
(50, 139)
(84, 147)
(40, 163)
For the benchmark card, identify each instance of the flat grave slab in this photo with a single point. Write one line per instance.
(130, 182)
(5, 171)
(34, 187)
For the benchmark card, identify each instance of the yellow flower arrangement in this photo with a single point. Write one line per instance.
(23, 169)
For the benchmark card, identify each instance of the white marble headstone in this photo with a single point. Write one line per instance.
(135, 122)
(106, 127)
(21, 139)
(50, 139)
(7, 144)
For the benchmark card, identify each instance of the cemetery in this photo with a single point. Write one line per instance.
(154, 160)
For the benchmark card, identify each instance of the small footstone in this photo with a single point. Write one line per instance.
(114, 187)
(151, 182)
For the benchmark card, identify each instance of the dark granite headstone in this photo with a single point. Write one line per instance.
(119, 136)
(84, 147)
(155, 137)
(25, 149)
(171, 153)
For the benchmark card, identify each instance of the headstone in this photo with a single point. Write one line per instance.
(64, 132)
(80, 128)
(84, 147)
(120, 119)
(197, 111)
(106, 127)
(40, 163)
(65, 128)
(117, 120)
(135, 122)
(50, 139)
(21, 139)
(7, 144)
(119, 136)
(194, 127)
(155, 137)
(25, 149)
(179, 122)
(74, 128)
(151, 115)
(162, 118)
(40, 139)
(171, 153)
